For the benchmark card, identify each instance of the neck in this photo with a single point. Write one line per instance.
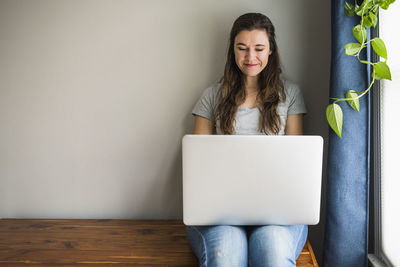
(251, 84)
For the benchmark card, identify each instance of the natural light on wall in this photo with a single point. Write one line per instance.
(390, 130)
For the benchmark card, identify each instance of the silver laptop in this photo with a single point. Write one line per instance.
(251, 179)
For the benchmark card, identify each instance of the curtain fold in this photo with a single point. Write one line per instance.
(346, 231)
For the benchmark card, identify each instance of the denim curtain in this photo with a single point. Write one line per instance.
(346, 231)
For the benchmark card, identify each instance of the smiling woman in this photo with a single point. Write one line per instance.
(252, 79)
(252, 99)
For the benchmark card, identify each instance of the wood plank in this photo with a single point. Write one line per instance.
(100, 243)
(89, 242)
(74, 256)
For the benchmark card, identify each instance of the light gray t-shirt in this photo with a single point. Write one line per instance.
(246, 120)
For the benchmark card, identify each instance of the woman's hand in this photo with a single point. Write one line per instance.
(202, 125)
(294, 125)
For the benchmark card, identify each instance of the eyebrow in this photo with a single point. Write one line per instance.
(245, 45)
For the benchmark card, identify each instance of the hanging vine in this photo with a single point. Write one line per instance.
(368, 13)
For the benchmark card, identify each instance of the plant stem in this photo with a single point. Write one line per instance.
(358, 96)
(365, 62)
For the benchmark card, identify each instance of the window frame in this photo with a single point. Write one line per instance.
(376, 256)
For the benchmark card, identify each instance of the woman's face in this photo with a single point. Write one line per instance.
(251, 51)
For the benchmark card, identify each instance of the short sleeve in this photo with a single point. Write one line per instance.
(295, 100)
(207, 104)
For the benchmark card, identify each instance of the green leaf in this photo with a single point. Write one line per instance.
(377, 77)
(383, 71)
(373, 18)
(354, 102)
(369, 19)
(334, 115)
(351, 49)
(366, 21)
(375, 8)
(349, 9)
(356, 8)
(360, 33)
(379, 47)
(385, 3)
(365, 6)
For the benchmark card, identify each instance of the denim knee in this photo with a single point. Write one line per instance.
(218, 245)
(276, 245)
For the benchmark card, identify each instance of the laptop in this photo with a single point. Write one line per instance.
(251, 179)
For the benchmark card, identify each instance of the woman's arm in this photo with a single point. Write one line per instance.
(202, 125)
(294, 125)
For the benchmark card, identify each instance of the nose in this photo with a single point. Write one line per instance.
(250, 55)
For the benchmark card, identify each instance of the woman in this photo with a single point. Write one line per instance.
(251, 99)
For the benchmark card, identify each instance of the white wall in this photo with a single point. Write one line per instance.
(96, 95)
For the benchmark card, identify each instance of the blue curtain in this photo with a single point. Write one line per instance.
(346, 231)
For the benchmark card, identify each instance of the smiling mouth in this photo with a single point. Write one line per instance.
(251, 65)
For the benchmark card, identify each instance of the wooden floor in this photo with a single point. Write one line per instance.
(100, 243)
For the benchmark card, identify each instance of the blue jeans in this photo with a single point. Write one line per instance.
(270, 245)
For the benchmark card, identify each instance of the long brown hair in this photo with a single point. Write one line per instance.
(270, 85)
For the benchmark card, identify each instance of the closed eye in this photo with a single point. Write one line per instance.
(257, 50)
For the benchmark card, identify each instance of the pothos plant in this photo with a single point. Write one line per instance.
(367, 11)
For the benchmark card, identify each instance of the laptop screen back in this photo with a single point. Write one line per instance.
(251, 180)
